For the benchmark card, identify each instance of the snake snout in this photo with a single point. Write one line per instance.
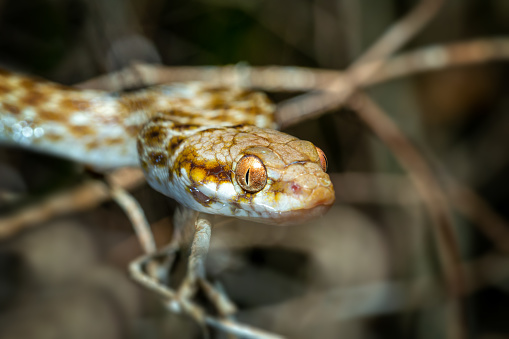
(312, 203)
(321, 196)
(313, 186)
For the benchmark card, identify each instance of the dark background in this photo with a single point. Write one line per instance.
(368, 269)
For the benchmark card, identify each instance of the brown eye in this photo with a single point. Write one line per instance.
(323, 159)
(251, 173)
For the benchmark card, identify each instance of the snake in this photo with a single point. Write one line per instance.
(214, 149)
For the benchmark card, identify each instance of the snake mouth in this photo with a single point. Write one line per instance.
(294, 217)
(300, 216)
(316, 205)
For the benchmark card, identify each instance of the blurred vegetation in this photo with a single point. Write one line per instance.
(457, 116)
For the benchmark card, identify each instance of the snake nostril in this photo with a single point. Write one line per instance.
(296, 189)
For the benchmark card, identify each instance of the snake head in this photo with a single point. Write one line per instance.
(281, 183)
(242, 171)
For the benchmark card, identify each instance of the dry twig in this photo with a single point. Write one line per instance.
(84, 197)
(290, 78)
(434, 199)
(136, 216)
(182, 299)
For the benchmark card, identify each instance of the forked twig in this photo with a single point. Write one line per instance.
(362, 69)
(292, 78)
(137, 272)
(401, 32)
(181, 300)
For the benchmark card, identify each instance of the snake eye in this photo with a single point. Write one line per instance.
(251, 174)
(323, 159)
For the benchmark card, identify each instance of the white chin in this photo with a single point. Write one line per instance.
(290, 217)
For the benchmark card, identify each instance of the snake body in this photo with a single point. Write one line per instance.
(211, 148)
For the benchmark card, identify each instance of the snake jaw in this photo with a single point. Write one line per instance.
(293, 209)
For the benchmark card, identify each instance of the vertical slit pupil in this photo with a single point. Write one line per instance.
(247, 176)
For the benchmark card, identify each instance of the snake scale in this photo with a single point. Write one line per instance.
(213, 149)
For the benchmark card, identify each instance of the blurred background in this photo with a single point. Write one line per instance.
(368, 269)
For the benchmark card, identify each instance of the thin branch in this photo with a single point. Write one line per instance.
(276, 78)
(356, 188)
(84, 197)
(363, 68)
(136, 269)
(401, 32)
(183, 299)
(476, 209)
(367, 299)
(136, 215)
(337, 92)
(291, 78)
(433, 197)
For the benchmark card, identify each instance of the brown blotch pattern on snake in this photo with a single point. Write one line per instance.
(157, 159)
